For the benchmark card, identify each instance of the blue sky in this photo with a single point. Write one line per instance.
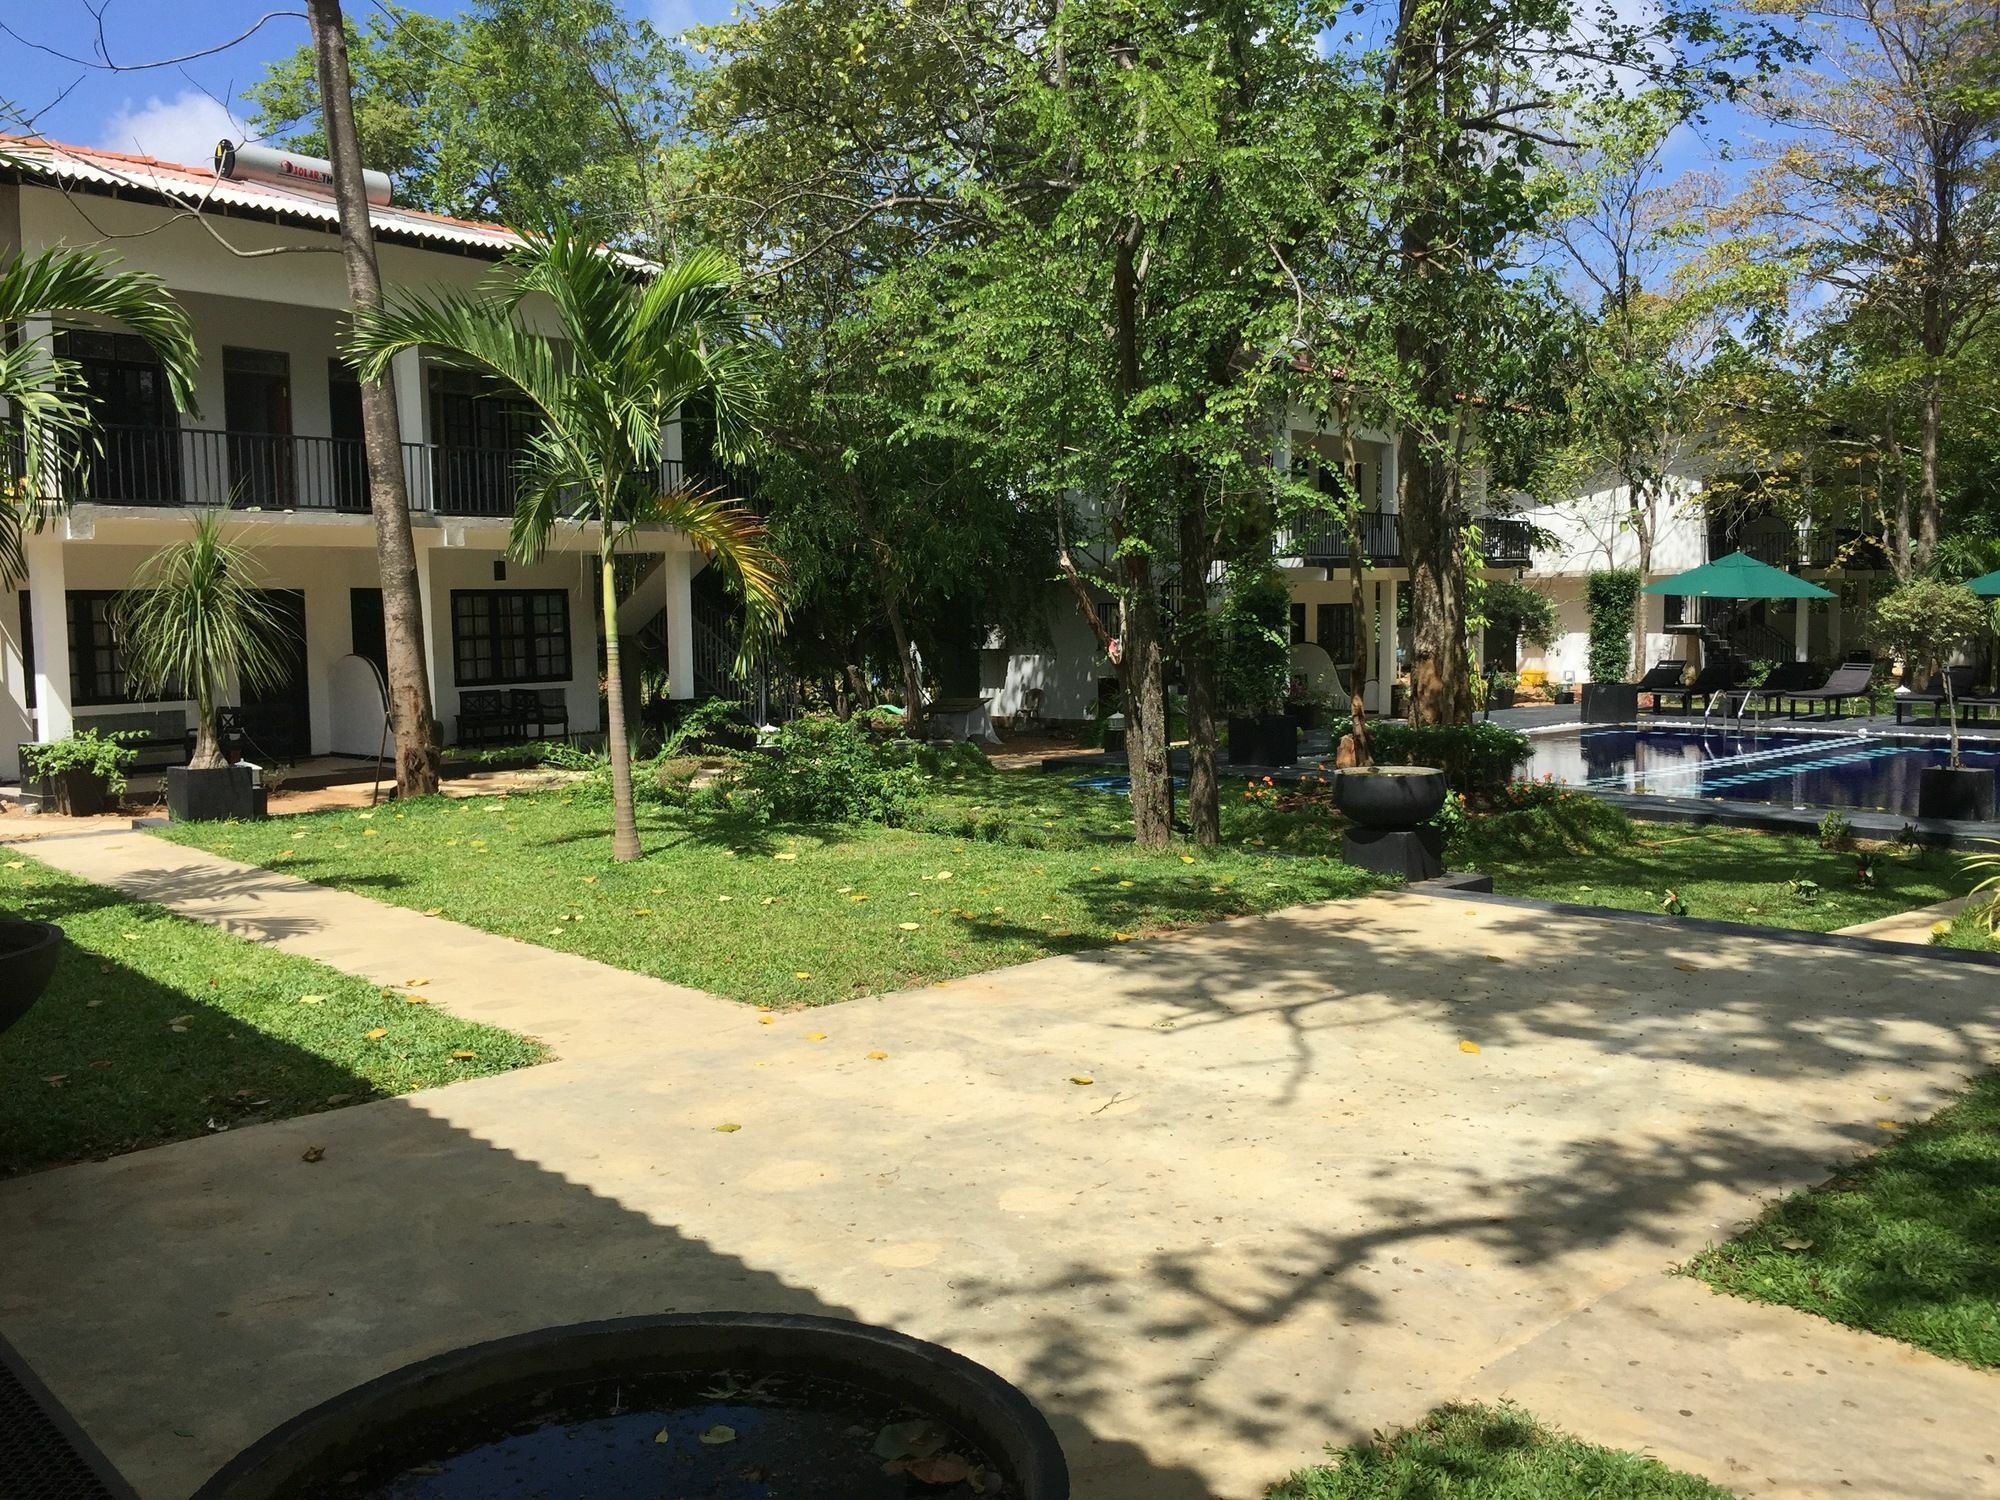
(179, 112)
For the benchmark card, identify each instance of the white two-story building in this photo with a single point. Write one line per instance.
(277, 442)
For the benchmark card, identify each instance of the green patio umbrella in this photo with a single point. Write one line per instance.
(1988, 585)
(1738, 576)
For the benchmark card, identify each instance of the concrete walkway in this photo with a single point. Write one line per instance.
(1907, 926)
(1289, 1207)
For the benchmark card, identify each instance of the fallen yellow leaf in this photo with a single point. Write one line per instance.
(1121, 937)
(1187, 859)
(728, 1129)
(369, 833)
(1888, 1125)
(1468, 1046)
(433, 911)
(311, 999)
(767, 1020)
(910, 926)
(1689, 968)
(802, 973)
(876, 1056)
(1081, 1078)
(718, 1434)
(378, 1033)
(784, 854)
(416, 1000)
(1794, 1243)
(815, 1036)
(590, 880)
(415, 984)
(463, 1053)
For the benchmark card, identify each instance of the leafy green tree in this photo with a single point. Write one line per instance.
(193, 620)
(1090, 234)
(517, 110)
(1925, 621)
(50, 410)
(1883, 186)
(634, 351)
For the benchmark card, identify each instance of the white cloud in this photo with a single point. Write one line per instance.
(182, 129)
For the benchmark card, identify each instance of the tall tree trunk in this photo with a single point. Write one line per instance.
(1141, 665)
(1900, 560)
(1927, 493)
(624, 818)
(1204, 792)
(1357, 681)
(906, 658)
(411, 713)
(1142, 673)
(207, 754)
(1433, 550)
(1642, 529)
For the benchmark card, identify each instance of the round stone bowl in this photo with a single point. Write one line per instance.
(28, 953)
(407, 1418)
(1389, 796)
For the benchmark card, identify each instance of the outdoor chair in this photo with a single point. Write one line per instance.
(484, 715)
(1961, 692)
(1716, 677)
(545, 709)
(1786, 677)
(1847, 681)
(1664, 676)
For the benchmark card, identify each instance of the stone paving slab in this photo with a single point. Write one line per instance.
(1289, 1208)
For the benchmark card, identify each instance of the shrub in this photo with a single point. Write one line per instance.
(1479, 757)
(712, 724)
(106, 756)
(1523, 613)
(1835, 832)
(1609, 598)
(1547, 821)
(1251, 638)
(830, 770)
(987, 826)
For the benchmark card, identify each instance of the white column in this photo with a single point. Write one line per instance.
(48, 607)
(1364, 623)
(1385, 664)
(677, 578)
(407, 371)
(437, 631)
(1801, 631)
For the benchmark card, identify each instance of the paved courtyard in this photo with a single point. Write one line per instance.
(1330, 1167)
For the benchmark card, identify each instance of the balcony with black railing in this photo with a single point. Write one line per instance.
(1817, 548)
(1325, 539)
(190, 466)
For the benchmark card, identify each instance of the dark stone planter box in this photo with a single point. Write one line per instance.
(76, 794)
(1945, 793)
(1500, 698)
(1563, 696)
(1413, 853)
(1268, 741)
(212, 796)
(28, 953)
(1610, 703)
(412, 1414)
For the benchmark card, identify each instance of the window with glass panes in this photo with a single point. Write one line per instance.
(96, 669)
(509, 635)
(1336, 631)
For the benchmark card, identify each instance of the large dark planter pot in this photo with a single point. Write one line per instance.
(1501, 698)
(77, 794)
(1271, 740)
(424, 1412)
(1945, 793)
(1305, 715)
(1564, 696)
(1610, 703)
(211, 796)
(1389, 796)
(28, 953)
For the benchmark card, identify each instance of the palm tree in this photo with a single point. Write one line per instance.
(52, 415)
(630, 350)
(193, 619)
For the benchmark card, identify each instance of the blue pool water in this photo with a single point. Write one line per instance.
(1820, 770)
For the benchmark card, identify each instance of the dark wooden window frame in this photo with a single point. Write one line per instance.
(525, 634)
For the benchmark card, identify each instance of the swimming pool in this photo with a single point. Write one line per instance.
(1821, 770)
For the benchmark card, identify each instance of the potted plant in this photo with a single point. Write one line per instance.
(191, 621)
(1500, 690)
(1927, 621)
(83, 773)
(1253, 668)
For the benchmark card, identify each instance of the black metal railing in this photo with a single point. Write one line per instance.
(174, 466)
(1324, 538)
(1508, 541)
(1819, 547)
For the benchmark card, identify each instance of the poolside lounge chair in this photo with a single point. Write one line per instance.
(1664, 676)
(1714, 678)
(1847, 681)
(1786, 677)
(1961, 692)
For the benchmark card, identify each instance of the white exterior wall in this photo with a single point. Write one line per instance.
(1066, 670)
(292, 303)
(1593, 533)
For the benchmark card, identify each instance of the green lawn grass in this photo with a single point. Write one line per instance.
(1468, 1452)
(157, 1028)
(794, 915)
(1905, 1243)
(1735, 875)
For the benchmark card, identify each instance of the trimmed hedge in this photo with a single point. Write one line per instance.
(1610, 597)
(1478, 757)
